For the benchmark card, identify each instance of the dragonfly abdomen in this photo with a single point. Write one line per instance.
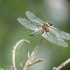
(39, 30)
(34, 33)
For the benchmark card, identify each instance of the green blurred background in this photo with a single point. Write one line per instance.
(11, 31)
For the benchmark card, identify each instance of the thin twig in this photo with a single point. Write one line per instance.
(32, 54)
(62, 65)
(14, 50)
(32, 63)
(28, 54)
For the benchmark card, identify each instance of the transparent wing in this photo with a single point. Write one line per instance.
(27, 24)
(52, 38)
(33, 18)
(59, 33)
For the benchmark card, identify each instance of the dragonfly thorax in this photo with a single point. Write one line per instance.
(45, 26)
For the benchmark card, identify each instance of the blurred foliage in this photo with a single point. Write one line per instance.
(11, 31)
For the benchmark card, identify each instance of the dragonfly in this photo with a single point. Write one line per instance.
(48, 31)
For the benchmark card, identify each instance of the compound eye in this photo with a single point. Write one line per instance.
(50, 23)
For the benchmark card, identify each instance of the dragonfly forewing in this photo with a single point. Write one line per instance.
(54, 39)
(33, 18)
(59, 33)
(28, 24)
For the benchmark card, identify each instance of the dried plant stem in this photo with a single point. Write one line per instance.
(32, 63)
(28, 54)
(62, 65)
(14, 50)
(28, 62)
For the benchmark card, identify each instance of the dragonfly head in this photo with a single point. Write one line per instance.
(50, 24)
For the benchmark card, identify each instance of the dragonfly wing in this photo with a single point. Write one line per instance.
(27, 24)
(59, 33)
(52, 38)
(33, 18)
